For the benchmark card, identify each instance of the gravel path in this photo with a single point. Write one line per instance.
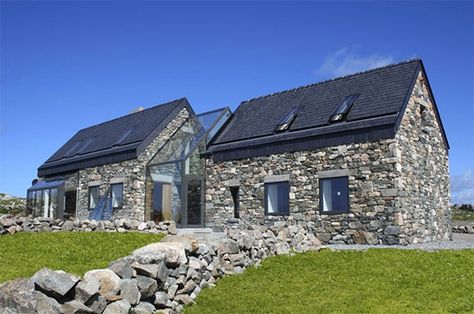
(460, 241)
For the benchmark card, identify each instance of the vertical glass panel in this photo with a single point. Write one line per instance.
(53, 203)
(165, 184)
(117, 195)
(194, 189)
(334, 193)
(327, 195)
(46, 203)
(272, 198)
(93, 196)
(38, 203)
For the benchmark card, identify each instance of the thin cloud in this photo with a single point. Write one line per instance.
(344, 62)
(462, 188)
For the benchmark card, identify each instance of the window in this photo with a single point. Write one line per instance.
(342, 110)
(234, 191)
(285, 122)
(334, 195)
(93, 196)
(276, 198)
(117, 195)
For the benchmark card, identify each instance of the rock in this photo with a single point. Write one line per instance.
(371, 238)
(194, 263)
(150, 258)
(142, 226)
(11, 230)
(229, 246)
(161, 299)
(188, 287)
(189, 243)
(54, 283)
(184, 299)
(392, 230)
(359, 237)
(282, 248)
(75, 307)
(162, 273)
(68, 225)
(148, 270)
(97, 303)
(355, 225)
(118, 307)
(122, 267)
(19, 296)
(324, 237)
(86, 289)
(129, 291)
(143, 308)
(173, 251)
(109, 281)
(172, 228)
(146, 286)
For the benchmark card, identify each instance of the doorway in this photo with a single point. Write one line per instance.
(70, 198)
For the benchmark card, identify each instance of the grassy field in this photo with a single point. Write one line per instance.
(22, 254)
(376, 281)
(463, 213)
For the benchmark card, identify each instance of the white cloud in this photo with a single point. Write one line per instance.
(462, 188)
(344, 62)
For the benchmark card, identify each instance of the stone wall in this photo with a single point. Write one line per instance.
(371, 171)
(12, 225)
(423, 187)
(131, 173)
(162, 276)
(398, 188)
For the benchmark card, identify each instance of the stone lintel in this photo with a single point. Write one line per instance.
(93, 183)
(333, 173)
(117, 180)
(233, 182)
(277, 178)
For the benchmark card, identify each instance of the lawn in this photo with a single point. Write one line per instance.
(376, 281)
(22, 254)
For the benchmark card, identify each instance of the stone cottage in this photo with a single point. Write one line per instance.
(124, 168)
(361, 158)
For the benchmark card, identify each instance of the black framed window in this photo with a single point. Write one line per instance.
(334, 195)
(93, 196)
(277, 198)
(234, 190)
(117, 195)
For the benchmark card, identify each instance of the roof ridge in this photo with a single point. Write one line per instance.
(179, 100)
(333, 79)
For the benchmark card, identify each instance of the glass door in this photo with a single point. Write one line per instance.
(193, 212)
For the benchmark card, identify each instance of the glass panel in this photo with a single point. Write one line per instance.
(335, 194)
(93, 196)
(117, 195)
(53, 202)
(326, 187)
(277, 198)
(46, 203)
(194, 189)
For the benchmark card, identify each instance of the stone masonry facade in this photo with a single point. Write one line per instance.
(131, 173)
(398, 188)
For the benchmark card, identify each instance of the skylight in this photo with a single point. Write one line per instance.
(285, 122)
(342, 110)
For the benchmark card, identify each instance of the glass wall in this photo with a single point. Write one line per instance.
(175, 176)
(44, 199)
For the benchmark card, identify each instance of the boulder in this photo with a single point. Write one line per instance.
(97, 304)
(189, 243)
(229, 246)
(122, 267)
(75, 307)
(174, 252)
(19, 296)
(282, 248)
(87, 288)
(143, 308)
(161, 299)
(146, 286)
(129, 291)
(392, 230)
(188, 287)
(68, 225)
(184, 299)
(109, 281)
(149, 270)
(54, 283)
(142, 226)
(150, 258)
(118, 307)
(371, 238)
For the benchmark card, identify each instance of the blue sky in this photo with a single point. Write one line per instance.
(68, 65)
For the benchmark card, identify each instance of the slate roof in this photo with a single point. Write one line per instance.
(384, 92)
(112, 141)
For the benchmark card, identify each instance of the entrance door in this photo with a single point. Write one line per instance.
(193, 213)
(70, 204)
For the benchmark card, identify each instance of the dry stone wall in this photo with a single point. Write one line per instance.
(161, 277)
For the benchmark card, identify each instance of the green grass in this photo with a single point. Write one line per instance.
(376, 281)
(22, 254)
(463, 214)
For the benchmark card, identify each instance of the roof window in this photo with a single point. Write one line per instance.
(287, 119)
(342, 110)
